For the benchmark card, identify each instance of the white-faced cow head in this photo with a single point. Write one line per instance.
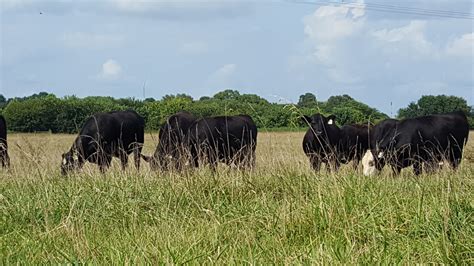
(69, 162)
(368, 164)
(319, 123)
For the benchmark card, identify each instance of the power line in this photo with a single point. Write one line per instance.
(393, 9)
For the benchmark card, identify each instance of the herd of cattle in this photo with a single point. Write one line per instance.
(187, 141)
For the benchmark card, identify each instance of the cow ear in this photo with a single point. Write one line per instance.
(331, 120)
(306, 119)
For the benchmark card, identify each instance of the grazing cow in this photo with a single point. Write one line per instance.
(4, 159)
(228, 139)
(320, 143)
(103, 136)
(354, 143)
(416, 141)
(171, 151)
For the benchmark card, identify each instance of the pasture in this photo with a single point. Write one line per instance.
(281, 212)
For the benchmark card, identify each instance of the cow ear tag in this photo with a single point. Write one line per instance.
(330, 122)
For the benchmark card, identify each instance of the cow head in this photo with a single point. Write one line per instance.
(69, 162)
(319, 123)
(169, 151)
(371, 166)
(382, 141)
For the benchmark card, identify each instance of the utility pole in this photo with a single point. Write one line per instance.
(391, 109)
(144, 85)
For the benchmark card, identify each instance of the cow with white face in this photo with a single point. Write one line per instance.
(424, 140)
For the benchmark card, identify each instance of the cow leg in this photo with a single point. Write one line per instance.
(355, 163)
(104, 162)
(2, 159)
(251, 160)
(455, 158)
(212, 160)
(137, 150)
(123, 159)
(417, 168)
(194, 157)
(332, 166)
(396, 169)
(315, 162)
(336, 165)
(431, 166)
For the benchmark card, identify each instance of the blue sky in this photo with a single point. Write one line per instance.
(276, 49)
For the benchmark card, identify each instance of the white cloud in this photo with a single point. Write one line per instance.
(91, 40)
(412, 35)
(462, 46)
(329, 23)
(111, 70)
(328, 30)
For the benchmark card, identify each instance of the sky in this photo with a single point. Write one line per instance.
(276, 49)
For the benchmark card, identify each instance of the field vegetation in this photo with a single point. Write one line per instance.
(281, 212)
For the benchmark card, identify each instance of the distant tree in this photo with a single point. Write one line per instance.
(348, 115)
(204, 98)
(351, 111)
(149, 100)
(339, 101)
(3, 101)
(430, 104)
(179, 95)
(252, 99)
(227, 95)
(33, 114)
(307, 100)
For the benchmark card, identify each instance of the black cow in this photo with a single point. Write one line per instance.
(354, 143)
(416, 141)
(324, 142)
(4, 159)
(104, 135)
(227, 139)
(171, 151)
(321, 141)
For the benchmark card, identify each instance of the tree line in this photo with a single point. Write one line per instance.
(47, 112)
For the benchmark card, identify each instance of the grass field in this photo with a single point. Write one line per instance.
(279, 213)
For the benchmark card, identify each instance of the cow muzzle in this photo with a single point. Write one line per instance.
(368, 164)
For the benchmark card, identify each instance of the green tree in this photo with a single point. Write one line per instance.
(33, 114)
(3, 101)
(169, 97)
(348, 115)
(227, 95)
(431, 104)
(308, 100)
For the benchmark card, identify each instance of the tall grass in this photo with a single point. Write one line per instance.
(281, 212)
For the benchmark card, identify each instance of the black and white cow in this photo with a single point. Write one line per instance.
(228, 139)
(103, 136)
(425, 140)
(325, 142)
(171, 151)
(4, 159)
